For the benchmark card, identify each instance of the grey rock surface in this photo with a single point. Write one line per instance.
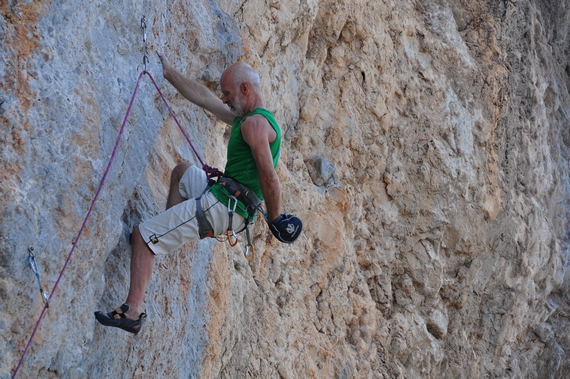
(440, 251)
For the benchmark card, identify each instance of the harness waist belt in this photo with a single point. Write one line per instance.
(242, 193)
(234, 188)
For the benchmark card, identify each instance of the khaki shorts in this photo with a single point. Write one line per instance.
(178, 225)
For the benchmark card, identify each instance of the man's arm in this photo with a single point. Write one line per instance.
(258, 134)
(196, 92)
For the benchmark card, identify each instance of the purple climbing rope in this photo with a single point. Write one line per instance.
(210, 171)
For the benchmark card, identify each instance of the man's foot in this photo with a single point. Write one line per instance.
(118, 319)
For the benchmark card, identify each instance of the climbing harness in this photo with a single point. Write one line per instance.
(238, 191)
(32, 260)
(211, 172)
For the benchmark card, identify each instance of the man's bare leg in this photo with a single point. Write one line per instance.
(142, 257)
(142, 262)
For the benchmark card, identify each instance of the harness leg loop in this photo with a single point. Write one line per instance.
(204, 227)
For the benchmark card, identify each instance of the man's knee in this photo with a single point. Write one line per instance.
(179, 170)
(138, 241)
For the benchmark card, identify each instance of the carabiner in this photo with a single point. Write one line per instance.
(249, 256)
(143, 27)
(32, 260)
(231, 211)
(230, 237)
(145, 61)
(230, 208)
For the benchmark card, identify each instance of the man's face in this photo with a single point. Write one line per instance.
(232, 97)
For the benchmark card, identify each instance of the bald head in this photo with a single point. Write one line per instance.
(241, 72)
(240, 89)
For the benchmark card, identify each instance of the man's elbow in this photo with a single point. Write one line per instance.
(271, 179)
(269, 183)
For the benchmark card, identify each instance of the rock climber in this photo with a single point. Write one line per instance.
(198, 209)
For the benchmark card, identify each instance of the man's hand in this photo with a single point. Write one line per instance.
(195, 92)
(165, 64)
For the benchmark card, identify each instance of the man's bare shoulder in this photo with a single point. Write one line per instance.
(256, 126)
(256, 119)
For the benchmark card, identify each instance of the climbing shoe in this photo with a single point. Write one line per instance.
(118, 319)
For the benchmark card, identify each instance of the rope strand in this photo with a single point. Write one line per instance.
(211, 171)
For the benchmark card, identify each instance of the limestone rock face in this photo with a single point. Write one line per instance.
(426, 149)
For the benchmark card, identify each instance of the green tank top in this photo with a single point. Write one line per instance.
(240, 164)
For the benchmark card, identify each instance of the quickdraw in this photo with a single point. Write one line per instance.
(145, 57)
(32, 260)
(249, 255)
(231, 211)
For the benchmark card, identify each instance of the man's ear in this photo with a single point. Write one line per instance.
(244, 88)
